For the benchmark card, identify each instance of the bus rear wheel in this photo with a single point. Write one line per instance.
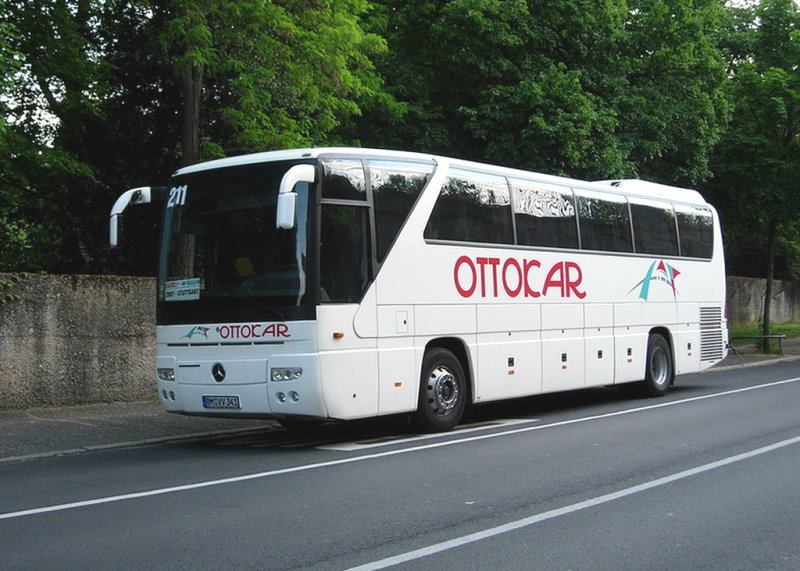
(658, 373)
(442, 392)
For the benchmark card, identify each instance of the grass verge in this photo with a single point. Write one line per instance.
(791, 330)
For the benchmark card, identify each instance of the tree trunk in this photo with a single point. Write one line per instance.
(192, 91)
(771, 239)
(183, 265)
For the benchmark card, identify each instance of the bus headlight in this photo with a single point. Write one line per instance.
(286, 373)
(165, 374)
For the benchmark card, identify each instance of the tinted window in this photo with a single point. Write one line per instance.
(222, 256)
(472, 207)
(344, 250)
(696, 230)
(395, 188)
(654, 229)
(604, 222)
(343, 179)
(544, 216)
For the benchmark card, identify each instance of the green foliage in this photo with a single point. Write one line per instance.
(790, 329)
(496, 81)
(277, 75)
(757, 164)
(95, 107)
(8, 283)
(674, 108)
(50, 106)
(596, 90)
(95, 93)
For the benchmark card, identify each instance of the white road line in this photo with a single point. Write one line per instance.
(592, 502)
(366, 444)
(318, 465)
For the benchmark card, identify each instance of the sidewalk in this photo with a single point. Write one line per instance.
(53, 431)
(747, 356)
(70, 430)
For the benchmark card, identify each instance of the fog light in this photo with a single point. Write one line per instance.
(281, 397)
(294, 396)
(164, 394)
(171, 396)
(285, 373)
(165, 374)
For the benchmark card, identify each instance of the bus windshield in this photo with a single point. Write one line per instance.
(222, 258)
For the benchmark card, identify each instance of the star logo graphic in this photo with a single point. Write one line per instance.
(659, 271)
(196, 330)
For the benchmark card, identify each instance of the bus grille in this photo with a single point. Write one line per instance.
(711, 343)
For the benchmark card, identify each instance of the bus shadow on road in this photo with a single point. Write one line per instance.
(304, 436)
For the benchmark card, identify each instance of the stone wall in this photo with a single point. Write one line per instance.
(746, 300)
(67, 340)
(72, 340)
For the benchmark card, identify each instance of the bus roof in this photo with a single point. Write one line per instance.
(297, 154)
(628, 187)
(655, 190)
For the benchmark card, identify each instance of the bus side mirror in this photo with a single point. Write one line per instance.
(287, 198)
(287, 206)
(141, 195)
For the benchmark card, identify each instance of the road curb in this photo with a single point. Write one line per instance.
(766, 361)
(132, 444)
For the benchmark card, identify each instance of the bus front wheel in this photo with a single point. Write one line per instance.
(658, 373)
(442, 392)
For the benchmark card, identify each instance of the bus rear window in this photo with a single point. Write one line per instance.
(696, 231)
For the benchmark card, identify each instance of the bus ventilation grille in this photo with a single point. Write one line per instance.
(711, 344)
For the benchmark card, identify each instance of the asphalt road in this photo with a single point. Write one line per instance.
(707, 477)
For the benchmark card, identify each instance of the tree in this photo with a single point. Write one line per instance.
(757, 165)
(267, 75)
(512, 82)
(46, 107)
(674, 107)
(108, 94)
(578, 87)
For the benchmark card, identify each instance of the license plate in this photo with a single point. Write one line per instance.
(214, 401)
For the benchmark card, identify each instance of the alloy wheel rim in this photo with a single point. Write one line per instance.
(442, 391)
(659, 368)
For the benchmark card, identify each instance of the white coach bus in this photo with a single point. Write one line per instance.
(339, 283)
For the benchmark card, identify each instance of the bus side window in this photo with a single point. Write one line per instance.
(696, 230)
(604, 223)
(345, 257)
(396, 186)
(472, 207)
(344, 179)
(654, 230)
(544, 216)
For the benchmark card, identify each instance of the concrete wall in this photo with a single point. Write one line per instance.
(85, 339)
(746, 300)
(77, 339)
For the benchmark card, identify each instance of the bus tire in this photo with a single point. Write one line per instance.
(442, 392)
(658, 373)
